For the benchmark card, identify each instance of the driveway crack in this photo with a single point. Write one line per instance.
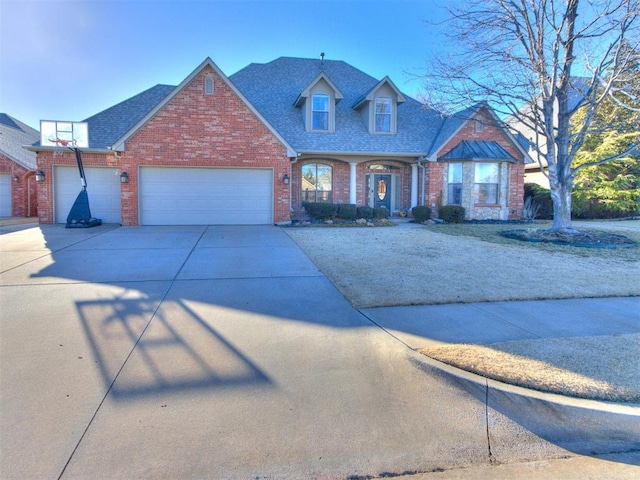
(115, 378)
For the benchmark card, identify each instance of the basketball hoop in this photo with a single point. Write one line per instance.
(59, 147)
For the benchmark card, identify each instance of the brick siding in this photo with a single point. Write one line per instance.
(24, 198)
(192, 129)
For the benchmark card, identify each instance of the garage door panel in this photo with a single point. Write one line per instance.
(5, 195)
(103, 187)
(205, 196)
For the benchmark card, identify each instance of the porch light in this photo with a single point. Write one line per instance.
(285, 179)
(124, 177)
(39, 176)
(15, 178)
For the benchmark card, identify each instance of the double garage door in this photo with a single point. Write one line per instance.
(103, 188)
(173, 196)
(205, 196)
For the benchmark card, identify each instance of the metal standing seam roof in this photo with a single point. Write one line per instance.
(478, 150)
(13, 136)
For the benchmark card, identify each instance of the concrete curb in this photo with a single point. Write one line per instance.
(632, 409)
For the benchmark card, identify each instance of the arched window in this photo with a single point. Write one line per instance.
(316, 183)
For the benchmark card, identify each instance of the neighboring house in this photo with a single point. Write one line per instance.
(18, 192)
(535, 172)
(252, 148)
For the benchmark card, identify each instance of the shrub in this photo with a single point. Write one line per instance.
(540, 197)
(321, 211)
(347, 211)
(380, 212)
(451, 213)
(365, 212)
(421, 213)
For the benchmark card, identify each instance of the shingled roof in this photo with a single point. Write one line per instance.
(109, 125)
(274, 87)
(13, 136)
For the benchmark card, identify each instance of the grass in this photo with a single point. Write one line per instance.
(491, 233)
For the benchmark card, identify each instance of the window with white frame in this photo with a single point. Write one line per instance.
(320, 112)
(454, 190)
(383, 108)
(487, 177)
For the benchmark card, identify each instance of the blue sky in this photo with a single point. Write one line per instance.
(67, 60)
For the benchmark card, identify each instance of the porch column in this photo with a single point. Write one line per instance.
(352, 183)
(414, 185)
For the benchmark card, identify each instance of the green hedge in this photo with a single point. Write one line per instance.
(421, 213)
(321, 211)
(365, 212)
(380, 213)
(347, 211)
(451, 213)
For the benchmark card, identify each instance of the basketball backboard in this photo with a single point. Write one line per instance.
(76, 133)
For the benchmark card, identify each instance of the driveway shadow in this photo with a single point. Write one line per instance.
(174, 351)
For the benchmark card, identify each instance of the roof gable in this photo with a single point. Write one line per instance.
(119, 144)
(454, 123)
(338, 95)
(370, 95)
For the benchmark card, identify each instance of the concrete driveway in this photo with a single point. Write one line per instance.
(223, 352)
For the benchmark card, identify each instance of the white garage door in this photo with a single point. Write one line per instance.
(5, 195)
(103, 188)
(205, 196)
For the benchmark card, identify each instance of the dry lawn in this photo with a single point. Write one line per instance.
(411, 264)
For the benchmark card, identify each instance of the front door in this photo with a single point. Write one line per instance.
(382, 191)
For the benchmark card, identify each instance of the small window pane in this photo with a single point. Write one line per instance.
(455, 194)
(383, 115)
(455, 173)
(320, 112)
(486, 173)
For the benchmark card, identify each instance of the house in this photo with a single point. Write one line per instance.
(252, 148)
(18, 193)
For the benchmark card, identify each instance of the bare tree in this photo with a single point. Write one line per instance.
(538, 63)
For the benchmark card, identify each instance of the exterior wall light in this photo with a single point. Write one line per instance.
(39, 176)
(285, 179)
(15, 178)
(124, 177)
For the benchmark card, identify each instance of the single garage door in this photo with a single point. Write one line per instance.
(205, 196)
(5, 195)
(103, 187)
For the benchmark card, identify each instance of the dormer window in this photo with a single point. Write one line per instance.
(379, 107)
(320, 112)
(317, 104)
(383, 106)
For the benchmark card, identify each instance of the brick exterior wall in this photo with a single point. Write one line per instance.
(511, 175)
(24, 198)
(192, 129)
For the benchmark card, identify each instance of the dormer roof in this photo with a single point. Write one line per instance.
(337, 94)
(370, 95)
